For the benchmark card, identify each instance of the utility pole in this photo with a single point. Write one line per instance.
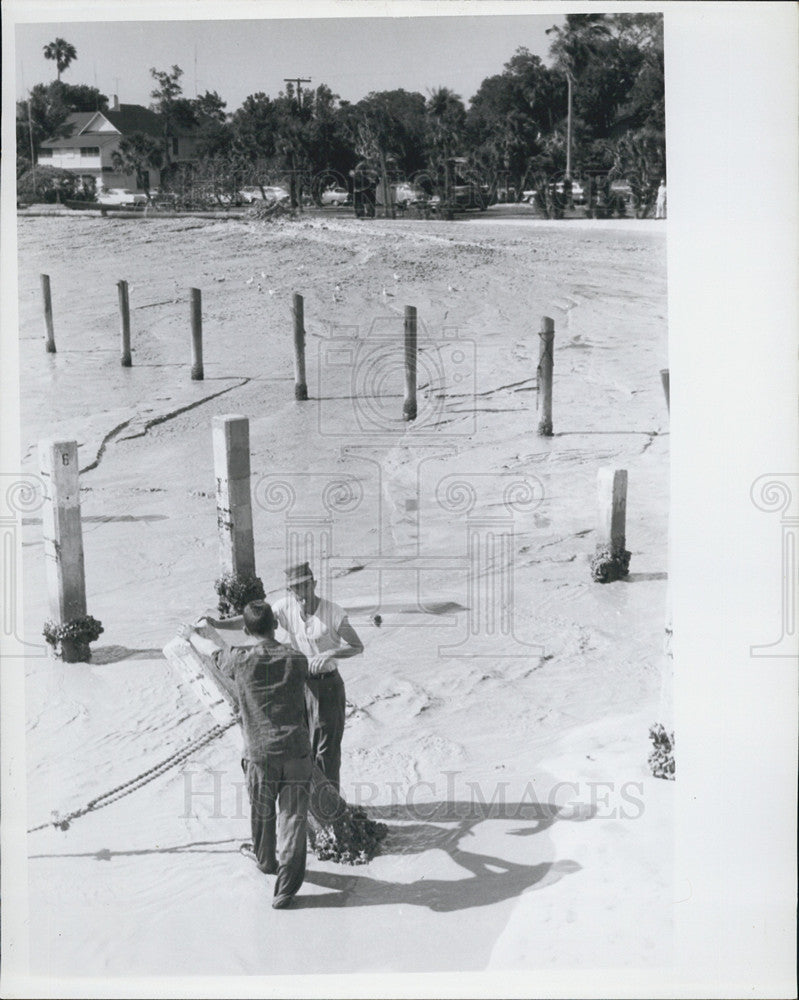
(33, 151)
(299, 80)
(569, 127)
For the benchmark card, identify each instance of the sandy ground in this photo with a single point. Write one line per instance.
(456, 733)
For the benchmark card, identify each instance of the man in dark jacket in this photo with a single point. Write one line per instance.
(269, 681)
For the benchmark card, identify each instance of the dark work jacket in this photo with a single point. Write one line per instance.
(270, 690)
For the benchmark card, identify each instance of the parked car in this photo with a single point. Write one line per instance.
(271, 194)
(335, 196)
(578, 194)
(405, 194)
(121, 197)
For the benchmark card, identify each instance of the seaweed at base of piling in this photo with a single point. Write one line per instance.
(607, 565)
(235, 592)
(661, 760)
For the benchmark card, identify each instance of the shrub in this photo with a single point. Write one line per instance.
(51, 184)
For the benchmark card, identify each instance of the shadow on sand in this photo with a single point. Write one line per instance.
(487, 879)
(116, 654)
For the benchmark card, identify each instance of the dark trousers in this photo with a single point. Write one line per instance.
(325, 704)
(279, 837)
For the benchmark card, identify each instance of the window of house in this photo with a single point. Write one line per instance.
(174, 146)
(89, 150)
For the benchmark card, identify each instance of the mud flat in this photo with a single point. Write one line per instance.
(501, 678)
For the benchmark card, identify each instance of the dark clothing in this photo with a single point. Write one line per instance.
(325, 702)
(279, 840)
(270, 690)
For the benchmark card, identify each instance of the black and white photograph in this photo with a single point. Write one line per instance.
(400, 500)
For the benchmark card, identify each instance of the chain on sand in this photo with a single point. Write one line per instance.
(63, 822)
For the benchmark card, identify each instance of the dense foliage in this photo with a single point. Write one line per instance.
(596, 112)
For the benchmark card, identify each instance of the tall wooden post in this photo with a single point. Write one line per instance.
(612, 560)
(664, 378)
(48, 314)
(231, 439)
(197, 372)
(298, 311)
(546, 351)
(63, 536)
(124, 322)
(409, 403)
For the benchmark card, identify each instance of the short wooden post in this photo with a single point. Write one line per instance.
(61, 528)
(612, 560)
(124, 322)
(409, 403)
(48, 314)
(197, 372)
(546, 351)
(231, 440)
(300, 386)
(664, 378)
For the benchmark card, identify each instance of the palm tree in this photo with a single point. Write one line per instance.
(137, 154)
(572, 48)
(62, 52)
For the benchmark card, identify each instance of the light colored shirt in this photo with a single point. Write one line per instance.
(315, 633)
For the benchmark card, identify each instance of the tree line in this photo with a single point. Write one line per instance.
(597, 112)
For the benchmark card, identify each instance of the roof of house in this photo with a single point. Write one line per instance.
(129, 118)
(75, 141)
(135, 118)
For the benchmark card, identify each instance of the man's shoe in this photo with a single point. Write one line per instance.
(281, 902)
(248, 851)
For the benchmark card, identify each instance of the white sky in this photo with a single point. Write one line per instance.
(236, 58)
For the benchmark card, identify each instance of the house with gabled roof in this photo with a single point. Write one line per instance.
(87, 140)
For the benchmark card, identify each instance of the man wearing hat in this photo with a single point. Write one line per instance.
(319, 629)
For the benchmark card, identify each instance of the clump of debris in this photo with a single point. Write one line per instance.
(270, 211)
(351, 839)
(661, 760)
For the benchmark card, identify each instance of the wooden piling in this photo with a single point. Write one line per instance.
(546, 352)
(664, 378)
(298, 311)
(409, 402)
(612, 560)
(124, 322)
(231, 442)
(48, 314)
(61, 527)
(197, 372)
